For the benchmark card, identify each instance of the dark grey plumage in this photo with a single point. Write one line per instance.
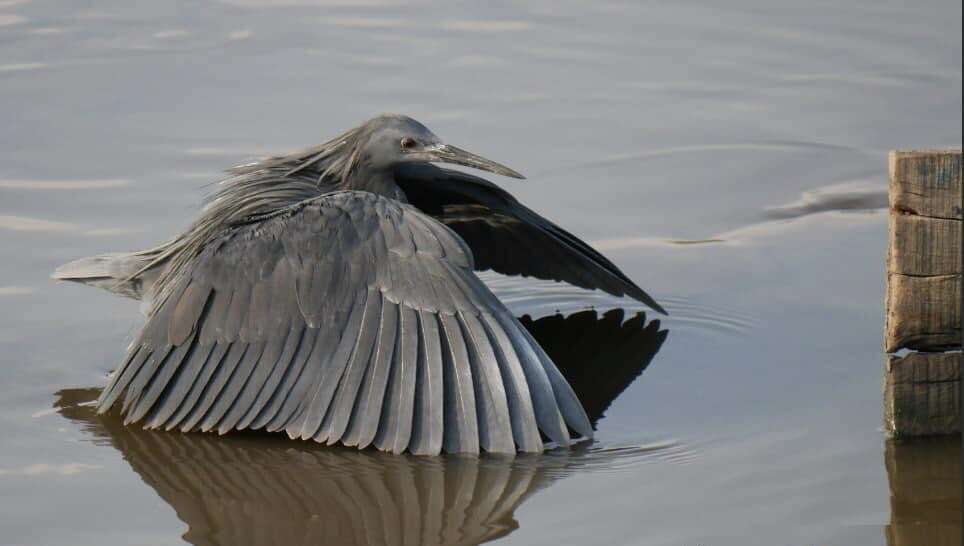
(354, 351)
(312, 297)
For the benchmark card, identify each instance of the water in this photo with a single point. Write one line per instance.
(731, 159)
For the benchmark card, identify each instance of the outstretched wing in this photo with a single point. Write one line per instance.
(347, 318)
(508, 237)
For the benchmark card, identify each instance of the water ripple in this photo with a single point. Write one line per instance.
(485, 26)
(762, 146)
(20, 67)
(16, 290)
(10, 19)
(62, 184)
(861, 195)
(613, 458)
(40, 225)
(687, 313)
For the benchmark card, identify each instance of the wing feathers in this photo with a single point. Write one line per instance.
(346, 319)
(569, 405)
(212, 391)
(495, 430)
(427, 428)
(157, 383)
(283, 403)
(228, 396)
(144, 374)
(461, 429)
(263, 366)
(368, 406)
(395, 425)
(508, 237)
(178, 388)
(274, 378)
(344, 402)
(210, 365)
(136, 357)
(543, 400)
(525, 431)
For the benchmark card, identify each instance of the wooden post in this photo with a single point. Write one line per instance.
(925, 298)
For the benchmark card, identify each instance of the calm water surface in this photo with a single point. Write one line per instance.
(731, 159)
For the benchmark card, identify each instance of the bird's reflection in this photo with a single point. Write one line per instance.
(254, 489)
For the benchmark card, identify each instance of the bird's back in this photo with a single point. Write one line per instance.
(251, 192)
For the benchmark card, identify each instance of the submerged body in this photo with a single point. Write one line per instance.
(332, 294)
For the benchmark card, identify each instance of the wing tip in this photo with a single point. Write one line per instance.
(640, 295)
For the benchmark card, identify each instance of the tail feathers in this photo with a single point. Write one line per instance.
(111, 272)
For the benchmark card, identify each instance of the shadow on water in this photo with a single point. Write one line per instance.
(925, 492)
(256, 488)
(584, 343)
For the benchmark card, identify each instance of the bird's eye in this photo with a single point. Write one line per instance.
(408, 143)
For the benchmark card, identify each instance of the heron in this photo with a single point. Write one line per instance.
(332, 294)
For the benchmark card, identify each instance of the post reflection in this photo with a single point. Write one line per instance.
(254, 489)
(925, 491)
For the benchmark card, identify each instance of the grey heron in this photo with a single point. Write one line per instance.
(331, 293)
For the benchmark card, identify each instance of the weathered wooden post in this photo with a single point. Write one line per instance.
(922, 389)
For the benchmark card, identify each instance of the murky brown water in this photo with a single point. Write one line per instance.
(730, 158)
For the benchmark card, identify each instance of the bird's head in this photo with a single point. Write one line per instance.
(380, 144)
(391, 140)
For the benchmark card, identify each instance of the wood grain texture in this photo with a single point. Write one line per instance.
(926, 182)
(923, 313)
(923, 297)
(922, 246)
(922, 394)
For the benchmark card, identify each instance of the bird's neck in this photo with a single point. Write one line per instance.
(380, 182)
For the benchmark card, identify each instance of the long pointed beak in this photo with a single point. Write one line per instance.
(445, 153)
